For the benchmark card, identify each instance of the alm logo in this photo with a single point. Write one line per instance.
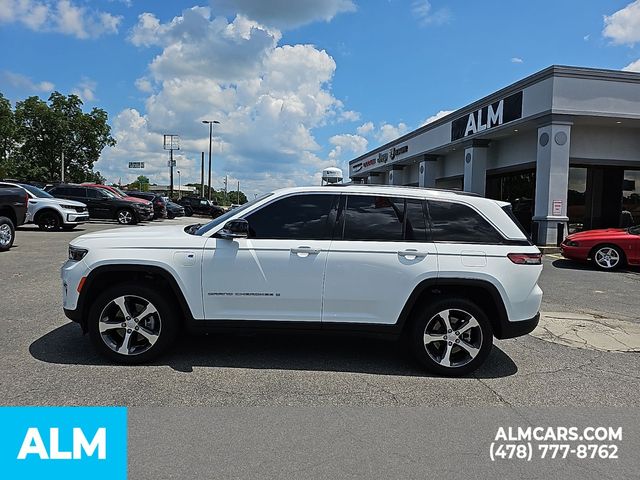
(63, 442)
(34, 445)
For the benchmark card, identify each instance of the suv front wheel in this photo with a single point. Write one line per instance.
(132, 324)
(451, 336)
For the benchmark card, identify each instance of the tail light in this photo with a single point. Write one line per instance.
(526, 258)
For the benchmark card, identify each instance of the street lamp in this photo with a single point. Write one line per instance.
(210, 122)
(179, 185)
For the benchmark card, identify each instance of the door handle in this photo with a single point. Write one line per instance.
(305, 250)
(412, 252)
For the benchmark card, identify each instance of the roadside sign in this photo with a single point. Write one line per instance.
(136, 164)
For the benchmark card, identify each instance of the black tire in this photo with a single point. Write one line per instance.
(7, 234)
(168, 319)
(613, 253)
(188, 211)
(126, 216)
(49, 221)
(68, 228)
(462, 362)
(171, 216)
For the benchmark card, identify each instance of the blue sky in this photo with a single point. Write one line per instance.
(297, 85)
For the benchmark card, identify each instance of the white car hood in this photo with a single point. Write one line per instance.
(56, 201)
(135, 237)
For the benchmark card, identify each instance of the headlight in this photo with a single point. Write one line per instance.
(571, 243)
(68, 207)
(76, 254)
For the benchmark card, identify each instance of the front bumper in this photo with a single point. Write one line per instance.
(76, 218)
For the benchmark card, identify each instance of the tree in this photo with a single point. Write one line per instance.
(46, 130)
(218, 195)
(7, 134)
(142, 183)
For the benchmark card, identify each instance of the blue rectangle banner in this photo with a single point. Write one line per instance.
(63, 442)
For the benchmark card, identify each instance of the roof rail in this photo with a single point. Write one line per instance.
(457, 192)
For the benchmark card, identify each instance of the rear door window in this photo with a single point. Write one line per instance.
(368, 217)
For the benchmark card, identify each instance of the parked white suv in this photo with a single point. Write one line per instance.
(51, 213)
(446, 270)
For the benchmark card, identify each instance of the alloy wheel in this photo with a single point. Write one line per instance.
(130, 325)
(452, 338)
(607, 257)
(48, 222)
(125, 217)
(5, 235)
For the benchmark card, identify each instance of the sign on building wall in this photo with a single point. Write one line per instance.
(498, 113)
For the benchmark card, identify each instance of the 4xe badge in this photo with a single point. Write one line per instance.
(63, 442)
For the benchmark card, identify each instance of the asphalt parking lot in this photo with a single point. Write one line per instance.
(45, 359)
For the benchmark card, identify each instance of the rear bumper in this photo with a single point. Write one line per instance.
(517, 329)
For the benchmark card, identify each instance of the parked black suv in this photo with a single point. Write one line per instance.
(159, 205)
(201, 206)
(102, 203)
(13, 211)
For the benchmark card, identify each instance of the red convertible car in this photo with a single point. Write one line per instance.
(608, 249)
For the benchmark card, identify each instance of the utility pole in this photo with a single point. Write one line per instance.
(210, 122)
(238, 198)
(171, 142)
(226, 183)
(62, 174)
(202, 175)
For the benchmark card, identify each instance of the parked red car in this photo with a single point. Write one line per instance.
(607, 249)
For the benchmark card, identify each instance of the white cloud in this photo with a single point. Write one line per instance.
(350, 116)
(144, 85)
(268, 97)
(25, 83)
(517, 60)
(427, 15)
(86, 90)
(347, 144)
(633, 67)
(437, 116)
(388, 132)
(285, 14)
(365, 128)
(623, 26)
(61, 16)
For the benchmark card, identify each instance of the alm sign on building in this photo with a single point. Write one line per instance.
(498, 113)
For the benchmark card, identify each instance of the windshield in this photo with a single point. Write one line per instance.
(122, 194)
(634, 230)
(225, 216)
(108, 193)
(35, 191)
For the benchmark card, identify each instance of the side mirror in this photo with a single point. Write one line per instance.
(238, 228)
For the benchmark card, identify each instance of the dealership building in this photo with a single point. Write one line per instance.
(563, 146)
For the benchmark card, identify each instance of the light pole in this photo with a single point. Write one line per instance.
(210, 122)
(171, 142)
(179, 185)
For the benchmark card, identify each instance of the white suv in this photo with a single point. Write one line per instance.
(446, 270)
(51, 213)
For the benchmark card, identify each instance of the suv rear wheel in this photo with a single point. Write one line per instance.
(451, 336)
(132, 323)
